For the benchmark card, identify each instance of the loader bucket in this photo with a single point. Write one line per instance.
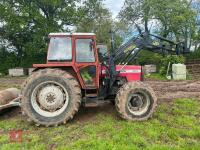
(9, 98)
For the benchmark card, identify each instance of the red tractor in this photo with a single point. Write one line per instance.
(78, 72)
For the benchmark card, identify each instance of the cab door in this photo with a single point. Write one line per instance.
(87, 62)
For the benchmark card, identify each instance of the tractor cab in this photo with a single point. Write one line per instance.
(76, 52)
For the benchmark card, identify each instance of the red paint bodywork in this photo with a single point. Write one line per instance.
(131, 73)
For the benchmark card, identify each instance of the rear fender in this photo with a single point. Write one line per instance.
(67, 69)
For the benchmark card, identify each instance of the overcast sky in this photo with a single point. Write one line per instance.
(114, 6)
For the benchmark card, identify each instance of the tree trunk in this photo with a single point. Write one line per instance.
(19, 56)
(146, 25)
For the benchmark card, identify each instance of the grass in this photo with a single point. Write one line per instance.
(174, 126)
(155, 76)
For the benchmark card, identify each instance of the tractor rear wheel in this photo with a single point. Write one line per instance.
(135, 101)
(50, 97)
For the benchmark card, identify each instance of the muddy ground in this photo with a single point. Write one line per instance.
(8, 82)
(170, 90)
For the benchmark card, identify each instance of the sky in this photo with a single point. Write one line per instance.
(114, 6)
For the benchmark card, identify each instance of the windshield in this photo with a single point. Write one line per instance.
(60, 49)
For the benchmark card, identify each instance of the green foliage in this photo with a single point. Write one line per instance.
(173, 59)
(155, 76)
(147, 57)
(136, 10)
(176, 18)
(25, 26)
(194, 55)
(8, 59)
(97, 19)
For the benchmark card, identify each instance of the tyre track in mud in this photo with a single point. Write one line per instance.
(170, 90)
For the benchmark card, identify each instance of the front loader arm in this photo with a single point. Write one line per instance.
(148, 42)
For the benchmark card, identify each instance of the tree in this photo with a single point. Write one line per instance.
(25, 24)
(135, 11)
(6, 59)
(175, 19)
(195, 5)
(97, 19)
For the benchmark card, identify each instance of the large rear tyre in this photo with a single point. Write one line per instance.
(135, 101)
(50, 97)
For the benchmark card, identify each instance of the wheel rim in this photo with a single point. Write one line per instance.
(49, 99)
(138, 103)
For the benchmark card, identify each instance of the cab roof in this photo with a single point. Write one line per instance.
(68, 33)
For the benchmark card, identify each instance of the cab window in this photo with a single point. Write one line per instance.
(60, 49)
(84, 50)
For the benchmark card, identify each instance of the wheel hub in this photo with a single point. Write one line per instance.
(51, 97)
(138, 103)
(135, 102)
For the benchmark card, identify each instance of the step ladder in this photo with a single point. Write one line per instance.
(91, 98)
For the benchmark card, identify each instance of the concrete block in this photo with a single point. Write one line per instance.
(179, 72)
(149, 69)
(179, 68)
(15, 72)
(179, 76)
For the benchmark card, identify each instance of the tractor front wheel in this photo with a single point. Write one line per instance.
(50, 97)
(135, 101)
